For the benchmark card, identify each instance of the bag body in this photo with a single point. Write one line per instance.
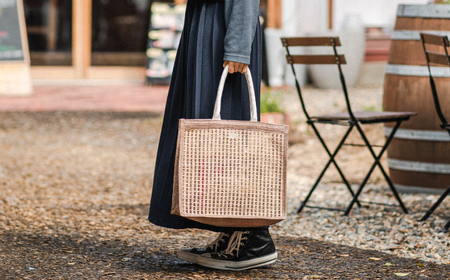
(231, 173)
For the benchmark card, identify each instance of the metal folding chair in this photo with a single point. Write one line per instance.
(349, 118)
(440, 57)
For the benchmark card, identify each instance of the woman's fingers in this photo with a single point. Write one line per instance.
(244, 69)
(235, 67)
(231, 67)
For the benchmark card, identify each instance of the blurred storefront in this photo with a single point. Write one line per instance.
(96, 39)
(87, 39)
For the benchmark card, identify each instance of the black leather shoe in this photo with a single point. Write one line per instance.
(216, 246)
(245, 250)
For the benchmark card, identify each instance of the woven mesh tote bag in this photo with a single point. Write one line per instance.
(231, 173)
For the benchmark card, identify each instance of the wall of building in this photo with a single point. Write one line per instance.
(312, 16)
(374, 13)
(307, 16)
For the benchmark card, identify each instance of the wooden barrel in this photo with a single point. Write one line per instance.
(419, 155)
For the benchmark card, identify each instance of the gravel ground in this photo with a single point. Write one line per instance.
(75, 187)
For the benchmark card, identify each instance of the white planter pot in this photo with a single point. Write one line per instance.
(300, 70)
(280, 73)
(352, 46)
(275, 56)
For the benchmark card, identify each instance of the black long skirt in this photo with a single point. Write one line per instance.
(195, 79)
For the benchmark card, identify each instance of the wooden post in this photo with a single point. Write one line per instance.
(330, 14)
(81, 46)
(52, 26)
(274, 13)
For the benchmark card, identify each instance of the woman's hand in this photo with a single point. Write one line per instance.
(235, 67)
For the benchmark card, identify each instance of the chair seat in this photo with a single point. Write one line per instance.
(366, 116)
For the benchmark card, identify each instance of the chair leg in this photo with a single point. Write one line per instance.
(435, 205)
(446, 227)
(331, 160)
(377, 163)
(385, 175)
(393, 189)
(358, 192)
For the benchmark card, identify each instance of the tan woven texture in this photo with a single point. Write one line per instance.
(231, 173)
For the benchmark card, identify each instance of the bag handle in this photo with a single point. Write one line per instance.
(251, 92)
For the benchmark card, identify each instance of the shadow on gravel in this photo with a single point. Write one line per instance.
(76, 257)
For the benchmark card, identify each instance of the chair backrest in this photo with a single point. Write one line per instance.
(439, 56)
(335, 58)
(313, 42)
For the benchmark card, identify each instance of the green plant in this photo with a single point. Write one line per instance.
(270, 102)
(370, 108)
(441, 1)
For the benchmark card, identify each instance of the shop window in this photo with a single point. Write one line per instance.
(119, 32)
(49, 30)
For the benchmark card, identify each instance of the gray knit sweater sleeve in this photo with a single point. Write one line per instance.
(241, 19)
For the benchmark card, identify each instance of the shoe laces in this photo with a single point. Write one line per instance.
(215, 244)
(234, 244)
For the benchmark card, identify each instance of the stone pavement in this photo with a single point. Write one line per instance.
(101, 96)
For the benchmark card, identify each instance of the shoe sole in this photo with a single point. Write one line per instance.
(190, 257)
(237, 265)
(187, 256)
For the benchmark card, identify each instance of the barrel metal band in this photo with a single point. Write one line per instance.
(415, 189)
(419, 71)
(414, 35)
(423, 11)
(417, 166)
(414, 134)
